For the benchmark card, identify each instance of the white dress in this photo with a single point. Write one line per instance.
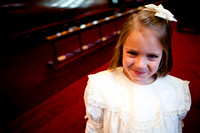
(114, 104)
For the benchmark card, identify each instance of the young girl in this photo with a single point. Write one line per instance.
(136, 94)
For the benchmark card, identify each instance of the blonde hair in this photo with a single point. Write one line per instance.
(146, 19)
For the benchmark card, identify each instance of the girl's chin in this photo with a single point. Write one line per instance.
(138, 80)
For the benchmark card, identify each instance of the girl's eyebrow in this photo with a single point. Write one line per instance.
(149, 53)
(127, 49)
(155, 52)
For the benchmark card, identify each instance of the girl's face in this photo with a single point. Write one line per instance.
(142, 54)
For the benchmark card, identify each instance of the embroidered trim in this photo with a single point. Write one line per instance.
(134, 125)
(95, 125)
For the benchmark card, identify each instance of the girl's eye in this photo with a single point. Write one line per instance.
(132, 53)
(152, 56)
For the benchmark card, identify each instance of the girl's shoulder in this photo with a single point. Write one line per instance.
(103, 89)
(173, 86)
(174, 82)
(175, 94)
(106, 76)
(105, 73)
(173, 79)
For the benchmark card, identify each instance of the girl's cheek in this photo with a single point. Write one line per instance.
(127, 61)
(156, 65)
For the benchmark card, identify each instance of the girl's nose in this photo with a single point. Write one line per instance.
(140, 63)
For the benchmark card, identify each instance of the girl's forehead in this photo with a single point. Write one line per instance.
(139, 39)
(145, 31)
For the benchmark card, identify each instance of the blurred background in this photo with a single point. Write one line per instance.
(48, 47)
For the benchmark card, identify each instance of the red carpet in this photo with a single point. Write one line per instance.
(64, 112)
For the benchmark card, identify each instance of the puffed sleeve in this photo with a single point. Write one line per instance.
(186, 100)
(93, 113)
(186, 106)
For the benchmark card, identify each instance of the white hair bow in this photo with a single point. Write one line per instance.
(160, 12)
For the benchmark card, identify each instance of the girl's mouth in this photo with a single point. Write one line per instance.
(139, 73)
